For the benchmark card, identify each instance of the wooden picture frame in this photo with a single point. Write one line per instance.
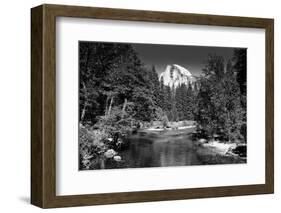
(43, 105)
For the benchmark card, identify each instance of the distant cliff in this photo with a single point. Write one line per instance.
(176, 75)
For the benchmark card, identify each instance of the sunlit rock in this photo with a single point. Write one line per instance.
(117, 158)
(110, 153)
(202, 140)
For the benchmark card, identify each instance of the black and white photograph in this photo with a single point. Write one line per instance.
(161, 105)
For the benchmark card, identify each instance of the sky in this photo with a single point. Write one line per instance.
(192, 58)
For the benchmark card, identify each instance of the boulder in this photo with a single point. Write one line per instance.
(202, 140)
(117, 158)
(110, 153)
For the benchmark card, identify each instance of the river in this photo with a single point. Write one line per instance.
(161, 150)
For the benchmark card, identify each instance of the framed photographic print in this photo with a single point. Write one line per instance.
(136, 106)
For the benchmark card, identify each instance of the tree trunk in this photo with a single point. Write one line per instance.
(84, 86)
(110, 105)
(106, 105)
(85, 104)
(124, 107)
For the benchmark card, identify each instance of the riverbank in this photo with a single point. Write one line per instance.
(165, 132)
(225, 149)
(170, 128)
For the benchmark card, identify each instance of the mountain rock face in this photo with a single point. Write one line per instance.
(176, 75)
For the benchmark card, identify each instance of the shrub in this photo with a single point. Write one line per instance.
(92, 143)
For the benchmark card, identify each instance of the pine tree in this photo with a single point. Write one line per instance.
(155, 86)
(179, 101)
(162, 95)
(240, 66)
(167, 105)
(218, 102)
(189, 102)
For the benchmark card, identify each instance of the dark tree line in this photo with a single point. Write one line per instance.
(178, 103)
(221, 101)
(112, 75)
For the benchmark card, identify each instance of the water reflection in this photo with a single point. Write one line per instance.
(148, 151)
(156, 150)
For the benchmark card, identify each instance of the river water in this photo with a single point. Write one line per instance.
(153, 151)
(158, 150)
